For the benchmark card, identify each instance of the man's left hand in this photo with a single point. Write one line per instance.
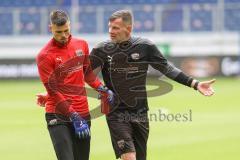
(205, 87)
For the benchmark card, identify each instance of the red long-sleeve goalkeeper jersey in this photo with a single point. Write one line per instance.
(64, 69)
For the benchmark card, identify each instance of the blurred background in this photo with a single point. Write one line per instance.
(201, 37)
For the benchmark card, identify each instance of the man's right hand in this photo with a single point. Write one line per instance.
(107, 99)
(80, 125)
(104, 92)
(41, 99)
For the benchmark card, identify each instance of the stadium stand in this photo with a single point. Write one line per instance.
(6, 20)
(179, 28)
(201, 18)
(26, 17)
(30, 21)
(34, 3)
(172, 20)
(87, 20)
(232, 19)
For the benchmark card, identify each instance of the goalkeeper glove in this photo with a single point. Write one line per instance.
(107, 97)
(105, 92)
(80, 126)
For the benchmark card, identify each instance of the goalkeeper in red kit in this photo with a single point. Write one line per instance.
(64, 67)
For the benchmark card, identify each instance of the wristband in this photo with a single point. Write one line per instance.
(196, 85)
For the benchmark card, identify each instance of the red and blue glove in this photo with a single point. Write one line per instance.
(107, 97)
(105, 92)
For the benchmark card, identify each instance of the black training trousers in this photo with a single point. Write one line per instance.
(66, 144)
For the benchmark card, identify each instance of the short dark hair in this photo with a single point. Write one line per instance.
(126, 16)
(58, 17)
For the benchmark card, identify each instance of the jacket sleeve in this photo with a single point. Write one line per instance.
(159, 62)
(97, 58)
(89, 76)
(49, 77)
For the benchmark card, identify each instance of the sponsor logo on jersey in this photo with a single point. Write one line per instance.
(109, 59)
(53, 122)
(79, 52)
(135, 56)
(121, 144)
(59, 60)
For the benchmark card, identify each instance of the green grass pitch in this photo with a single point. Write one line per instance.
(213, 133)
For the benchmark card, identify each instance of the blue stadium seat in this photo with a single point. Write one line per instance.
(232, 19)
(30, 21)
(124, 2)
(34, 3)
(87, 21)
(121, 2)
(231, 1)
(201, 18)
(6, 21)
(171, 15)
(197, 1)
(144, 19)
(172, 20)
